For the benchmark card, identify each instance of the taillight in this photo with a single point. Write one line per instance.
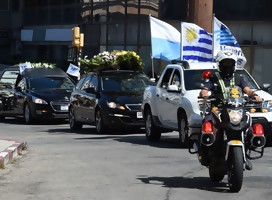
(258, 129)
(207, 127)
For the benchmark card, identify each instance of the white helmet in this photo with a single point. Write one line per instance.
(226, 62)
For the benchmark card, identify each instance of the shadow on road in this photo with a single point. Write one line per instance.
(201, 183)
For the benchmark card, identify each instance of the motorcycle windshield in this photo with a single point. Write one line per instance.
(235, 96)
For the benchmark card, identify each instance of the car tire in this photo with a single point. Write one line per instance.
(74, 125)
(99, 122)
(28, 119)
(151, 131)
(183, 130)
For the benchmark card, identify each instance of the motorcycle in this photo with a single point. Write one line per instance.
(228, 139)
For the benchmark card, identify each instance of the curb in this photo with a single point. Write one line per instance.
(10, 153)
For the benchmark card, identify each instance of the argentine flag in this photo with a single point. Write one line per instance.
(223, 39)
(165, 40)
(196, 43)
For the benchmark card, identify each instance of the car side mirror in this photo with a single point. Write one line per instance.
(173, 88)
(265, 87)
(91, 90)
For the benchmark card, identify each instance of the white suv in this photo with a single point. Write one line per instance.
(172, 105)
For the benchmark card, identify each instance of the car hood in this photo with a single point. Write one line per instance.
(123, 97)
(52, 95)
(265, 95)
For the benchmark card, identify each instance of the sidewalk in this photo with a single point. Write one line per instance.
(9, 150)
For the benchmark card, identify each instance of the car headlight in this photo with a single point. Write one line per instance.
(38, 100)
(267, 106)
(235, 116)
(115, 105)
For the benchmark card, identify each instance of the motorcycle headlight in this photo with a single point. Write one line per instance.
(235, 116)
(38, 100)
(115, 105)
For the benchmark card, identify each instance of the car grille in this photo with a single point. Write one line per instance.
(134, 107)
(59, 106)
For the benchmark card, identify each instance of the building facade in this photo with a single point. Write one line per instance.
(40, 30)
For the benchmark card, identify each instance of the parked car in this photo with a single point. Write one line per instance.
(109, 100)
(37, 93)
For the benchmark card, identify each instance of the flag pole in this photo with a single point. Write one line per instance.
(181, 33)
(152, 61)
(213, 36)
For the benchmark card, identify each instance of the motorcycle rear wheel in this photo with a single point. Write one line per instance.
(236, 169)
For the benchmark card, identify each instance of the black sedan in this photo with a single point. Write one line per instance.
(36, 93)
(109, 100)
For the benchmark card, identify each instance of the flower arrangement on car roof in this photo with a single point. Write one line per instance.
(38, 65)
(42, 64)
(117, 59)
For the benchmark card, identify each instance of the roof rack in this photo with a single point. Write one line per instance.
(184, 63)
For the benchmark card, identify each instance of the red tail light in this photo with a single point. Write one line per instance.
(258, 129)
(207, 127)
(206, 74)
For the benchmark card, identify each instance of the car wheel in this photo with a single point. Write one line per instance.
(99, 124)
(28, 119)
(151, 131)
(183, 131)
(74, 125)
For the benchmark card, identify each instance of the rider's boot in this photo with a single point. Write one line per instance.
(248, 164)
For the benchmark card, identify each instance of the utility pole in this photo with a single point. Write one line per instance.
(201, 13)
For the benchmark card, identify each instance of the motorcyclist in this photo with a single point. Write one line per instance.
(225, 77)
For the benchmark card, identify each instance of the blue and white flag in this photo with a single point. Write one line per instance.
(165, 40)
(23, 66)
(223, 39)
(73, 70)
(196, 43)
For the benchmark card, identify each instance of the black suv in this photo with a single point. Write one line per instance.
(109, 100)
(37, 93)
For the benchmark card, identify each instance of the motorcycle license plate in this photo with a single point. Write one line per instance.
(139, 115)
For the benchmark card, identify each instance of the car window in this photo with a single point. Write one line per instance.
(50, 83)
(193, 78)
(86, 83)
(166, 78)
(94, 82)
(9, 77)
(127, 82)
(176, 78)
(22, 84)
(251, 83)
(79, 84)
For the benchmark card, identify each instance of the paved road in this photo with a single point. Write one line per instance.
(61, 164)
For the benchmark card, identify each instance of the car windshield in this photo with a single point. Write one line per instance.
(50, 83)
(9, 77)
(193, 78)
(125, 82)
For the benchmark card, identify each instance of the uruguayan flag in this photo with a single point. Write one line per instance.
(165, 40)
(73, 70)
(196, 43)
(223, 39)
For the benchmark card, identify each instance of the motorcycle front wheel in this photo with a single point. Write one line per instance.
(236, 169)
